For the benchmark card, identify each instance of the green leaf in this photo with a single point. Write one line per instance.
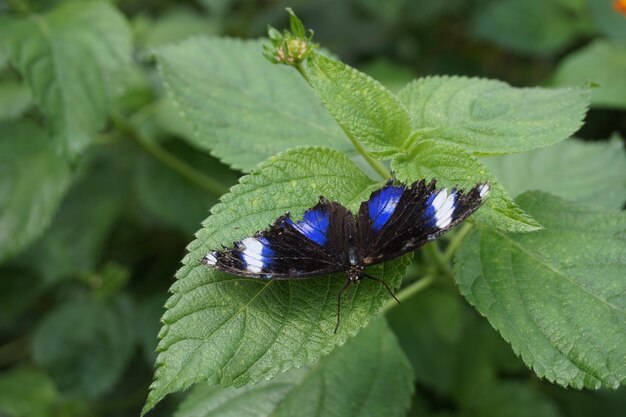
(452, 166)
(368, 376)
(172, 197)
(530, 26)
(15, 99)
(32, 182)
(366, 109)
(588, 172)
(491, 117)
(601, 62)
(556, 295)
(241, 107)
(27, 393)
(231, 331)
(85, 345)
(72, 245)
(45, 49)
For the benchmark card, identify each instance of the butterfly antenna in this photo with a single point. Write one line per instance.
(382, 282)
(348, 282)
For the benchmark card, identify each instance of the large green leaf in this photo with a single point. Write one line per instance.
(27, 393)
(71, 59)
(530, 26)
(366, 109)
(491, 117)
(15, 99)
(72, 244)
(229, 330)
(589, 172)
(452, 166)
(601, 62)
(242, 108)
(33, 179)
(556, 295)
(85, 344)
(368, 376)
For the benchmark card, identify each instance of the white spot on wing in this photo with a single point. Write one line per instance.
(252, 254)
(209, 259)
(483, 190)
(444, 206)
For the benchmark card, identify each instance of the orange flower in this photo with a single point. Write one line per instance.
(620, 6)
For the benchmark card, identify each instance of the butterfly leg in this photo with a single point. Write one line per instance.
(383, 283)
(348, 282)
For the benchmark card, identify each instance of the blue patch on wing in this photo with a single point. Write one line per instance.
(314, 226)
(429, 214)
(382, 205)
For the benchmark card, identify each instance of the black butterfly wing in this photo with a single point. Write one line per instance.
(313, 246)
(398, 219)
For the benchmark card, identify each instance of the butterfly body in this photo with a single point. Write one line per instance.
(395, 220)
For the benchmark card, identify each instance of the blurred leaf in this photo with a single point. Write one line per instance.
(530, 26)
(390, 74)
(72, 244)
(149, 313)
(585, 403)
(27, 393)
(602, 63)
(368, 376)
(474, 366)
(429, 327)
(452, 166)
(242, 108)
(19, 288)
(172, 197)
(360, 104)
(511, 399)
(588, 172)
(176, 25)
(171, 121)
(46, 50)
(556, 295)
(491, 117)
(85, 345)
(32, 182)
(231, 331)
(15, 99)
(388, 11)
(607, 21)
(109, 280)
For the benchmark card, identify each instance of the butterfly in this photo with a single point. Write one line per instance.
(395, 220)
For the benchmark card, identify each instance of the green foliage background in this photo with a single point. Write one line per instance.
(129, 127)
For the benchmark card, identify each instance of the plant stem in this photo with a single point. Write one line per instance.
(408, 292)
(435, 255)
(376, 165)
(170, 160)
(456, 241)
